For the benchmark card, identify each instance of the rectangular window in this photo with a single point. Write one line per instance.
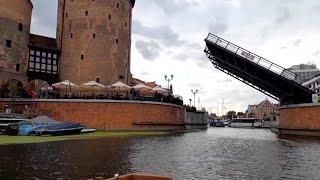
(54, 62)
(49, 55)
(37, 59)
(54, 56)
(44, 54)
(20, 27)
(37, 65)
(49, 67)
(31, 65)
(49, 61)
(54, 68)
(43, 66)
(98, 80)
(38, 53)
(43, 60)
(32, 58)
(8, 43)
(31, 52)
(18, 67)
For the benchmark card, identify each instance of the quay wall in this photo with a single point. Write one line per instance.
(197, 120)
(106, 114)
(299, 119)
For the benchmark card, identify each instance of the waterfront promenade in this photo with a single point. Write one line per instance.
(218, 153)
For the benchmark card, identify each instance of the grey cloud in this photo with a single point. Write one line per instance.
(173, 6)
(202, 61)
(297, 42)
(195, 46)
(283, 15)
(217, 27)
(316, 53)
(44, 17)
(149, 50)
(181, 57)
(163, 33)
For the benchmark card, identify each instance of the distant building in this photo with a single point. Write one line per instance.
(313, 84)
(251, 111)
(305, 72)
(265, 110)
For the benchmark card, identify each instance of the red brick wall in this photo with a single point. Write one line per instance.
(110, 114)
(107, 56)
(300, 117)
(13, 12)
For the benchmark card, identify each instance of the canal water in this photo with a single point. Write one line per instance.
(218, 153)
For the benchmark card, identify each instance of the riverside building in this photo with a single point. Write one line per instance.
(93, 43)
(313, 84)
(304, 72)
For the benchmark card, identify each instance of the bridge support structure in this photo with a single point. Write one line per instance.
(255, 71)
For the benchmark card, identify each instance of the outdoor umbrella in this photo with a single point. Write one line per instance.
(120, 86)
(92, 85)
(178, 96)
(66, 84)
(142, 87)
(160, 90)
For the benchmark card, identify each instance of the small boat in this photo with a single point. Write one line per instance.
(88, 130)
(216, 123)
(68, 128)
(140, 177)
(245, 123)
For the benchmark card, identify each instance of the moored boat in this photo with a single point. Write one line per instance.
(245, 123)
(68, 128)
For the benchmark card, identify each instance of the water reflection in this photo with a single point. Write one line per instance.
(219, 153)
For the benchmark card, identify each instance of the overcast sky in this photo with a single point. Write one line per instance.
(168, 39)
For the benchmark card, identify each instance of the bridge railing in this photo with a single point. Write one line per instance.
(251, 56)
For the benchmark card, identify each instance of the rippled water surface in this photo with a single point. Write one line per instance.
(218, 153)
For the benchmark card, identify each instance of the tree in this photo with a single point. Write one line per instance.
(231, 114)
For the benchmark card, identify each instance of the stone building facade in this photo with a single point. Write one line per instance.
(263, 111)
(313, 84)
(93, 43)
(15, 20)
(95, 40)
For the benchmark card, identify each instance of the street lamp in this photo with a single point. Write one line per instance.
(168, 79)
(194, 92)
(190, 100)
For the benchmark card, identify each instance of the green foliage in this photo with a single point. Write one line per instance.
(4, 140)
(231, 114)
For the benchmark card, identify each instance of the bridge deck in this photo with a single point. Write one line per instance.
(259, 73)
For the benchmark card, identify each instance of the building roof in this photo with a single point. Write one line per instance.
(43, 42)
(151, 84)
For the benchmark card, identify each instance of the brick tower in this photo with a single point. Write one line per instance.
(94, 37)
(15, 19)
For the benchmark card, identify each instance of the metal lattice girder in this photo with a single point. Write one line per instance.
(255, 71)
